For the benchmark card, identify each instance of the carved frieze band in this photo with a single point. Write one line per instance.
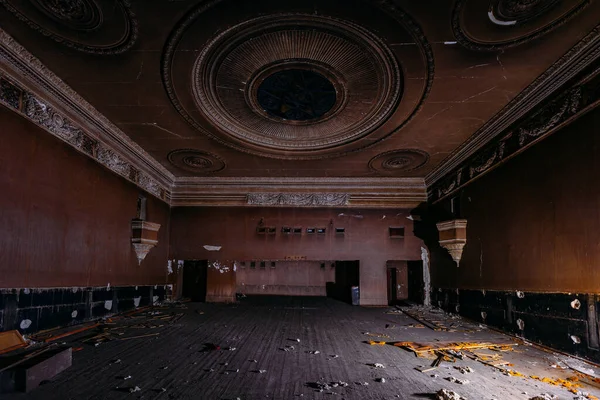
(568, 105)
(298, 199)
(574, 62)
(44, 115)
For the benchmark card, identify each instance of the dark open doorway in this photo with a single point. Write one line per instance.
(397, 279)
(416, 284)
(347, 274)
(194, 280)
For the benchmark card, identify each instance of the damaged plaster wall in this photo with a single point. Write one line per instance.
(426, 276)
(366, 238)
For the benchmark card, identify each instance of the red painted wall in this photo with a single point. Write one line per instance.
(366, 238)
(534, 223)
(64, 219)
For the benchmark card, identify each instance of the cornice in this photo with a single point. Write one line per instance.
(563, 108)
(573, 62)
(29, 74)
(360, 192)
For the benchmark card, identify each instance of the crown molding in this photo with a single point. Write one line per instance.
(360, 192)
(27, 74)
(572, 63)
(572, 102)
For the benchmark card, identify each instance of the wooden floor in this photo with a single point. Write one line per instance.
(177, 365)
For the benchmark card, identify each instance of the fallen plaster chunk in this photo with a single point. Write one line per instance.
(108, 304)
(362, 383)
(170, 267)
(74, 314)
(315, 352)
(382, 380)
(135, 389)
(262, 371)
(127, 377)
(520, 294)
(576, 304)
(521, 324)
(456, 380)
(26, 323)
(445, 394)
(212, 248)
(575, 339)
(464, 370)
(378, 365)
(544, 396)
(136, 301)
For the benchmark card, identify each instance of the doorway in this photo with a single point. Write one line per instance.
(347, 274)
(194, 280)
(416, 284)
(397, 281)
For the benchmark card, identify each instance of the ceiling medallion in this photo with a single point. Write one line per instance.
(228, 76)
(397, 161)
(509, 23)
(196, 161)
(91, 26)
(296, 85)
(77, 14)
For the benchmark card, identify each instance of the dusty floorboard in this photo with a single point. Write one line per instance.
(175, 364)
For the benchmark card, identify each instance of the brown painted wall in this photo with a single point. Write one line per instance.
(534, 223)
(366, 238)
(64, 219)
(303, 278)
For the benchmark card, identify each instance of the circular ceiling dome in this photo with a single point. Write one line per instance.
(296, 95)
(360, 69)
(296, 85)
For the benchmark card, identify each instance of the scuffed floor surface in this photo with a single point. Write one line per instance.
(266, 361)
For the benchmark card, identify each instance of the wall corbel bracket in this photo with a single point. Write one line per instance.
(453, 237)
(144, 236)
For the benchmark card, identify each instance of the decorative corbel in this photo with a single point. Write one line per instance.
(144, 236)
(453, 237)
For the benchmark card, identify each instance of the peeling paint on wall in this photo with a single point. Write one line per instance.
(426, 277)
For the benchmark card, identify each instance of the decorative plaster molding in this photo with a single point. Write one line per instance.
(363, 192)
(85, 17)
(239, 130)
(564, 108)
(575, 61)
(142, 250)
(32, 90)
(453, 237)
(298, 199)
(505, 13)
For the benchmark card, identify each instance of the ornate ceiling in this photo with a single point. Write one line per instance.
(205, 102)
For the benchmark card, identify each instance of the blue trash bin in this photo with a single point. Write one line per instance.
(355, 295)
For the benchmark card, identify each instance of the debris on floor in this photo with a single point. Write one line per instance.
(544, 396)
(445, 394)
(464, 370)
(383, 335)
(456, 380)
